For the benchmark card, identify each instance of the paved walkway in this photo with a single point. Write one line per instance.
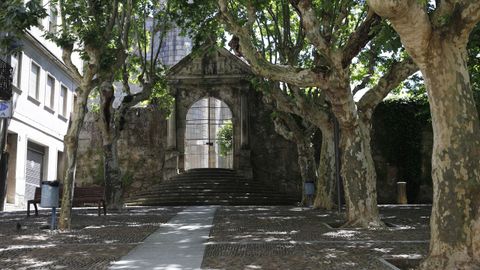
(178, 244)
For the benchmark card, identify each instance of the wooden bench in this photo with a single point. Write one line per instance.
(81, 196)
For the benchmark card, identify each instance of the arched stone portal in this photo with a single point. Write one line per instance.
(207, 120)
(209, 73)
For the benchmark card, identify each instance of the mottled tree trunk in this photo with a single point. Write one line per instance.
(455, 219)
(359, 176)
(113, 183)
(306, 162)
(107, 124)
(71, 147)
(326, 171)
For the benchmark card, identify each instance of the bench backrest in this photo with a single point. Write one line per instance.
(79, 192)
(89, 192)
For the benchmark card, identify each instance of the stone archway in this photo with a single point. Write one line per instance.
(207, 119)
(215, 73)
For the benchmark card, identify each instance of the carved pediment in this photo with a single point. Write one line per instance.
(217, 62)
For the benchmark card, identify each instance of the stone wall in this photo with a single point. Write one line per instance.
(402, 148)
(141, 150)
(401, 152)
(274, 159)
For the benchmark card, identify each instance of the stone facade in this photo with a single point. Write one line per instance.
(210, 72)
(152, 148)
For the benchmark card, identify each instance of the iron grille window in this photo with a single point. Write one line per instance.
(6, 72)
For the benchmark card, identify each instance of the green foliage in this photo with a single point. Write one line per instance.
(160, 97)
(225, 138)
(198, 19)
(400, 125)
(15, 18)
(127, 179)
(474, 58)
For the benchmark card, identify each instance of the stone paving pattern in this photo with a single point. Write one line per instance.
(243, 237)
(300, 238)
(93, 242)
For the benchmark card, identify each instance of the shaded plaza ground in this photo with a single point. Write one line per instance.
(243, 237)
(296, 238)
(93, 242)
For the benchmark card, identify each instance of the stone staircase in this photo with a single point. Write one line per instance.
(211, 187)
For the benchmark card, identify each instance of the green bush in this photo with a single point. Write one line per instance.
(225, 138)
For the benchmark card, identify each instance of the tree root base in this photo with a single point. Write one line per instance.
(447, 262)
(363, 223)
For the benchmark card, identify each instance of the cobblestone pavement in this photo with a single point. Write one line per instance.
(296, 238)
(243, 237)
(93, 242)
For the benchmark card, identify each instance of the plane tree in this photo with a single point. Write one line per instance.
(436, 34)
(98, 31)
(337, 34)
(140, 79)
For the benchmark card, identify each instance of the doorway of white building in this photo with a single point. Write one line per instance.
(34, 169)
(12, 164)
(209, 135)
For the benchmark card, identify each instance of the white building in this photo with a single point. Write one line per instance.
(43, 100)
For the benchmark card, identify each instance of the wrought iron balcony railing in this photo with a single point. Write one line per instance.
(6, 73)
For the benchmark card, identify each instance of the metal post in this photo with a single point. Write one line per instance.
(53, 224)
(6, 72)
(3, 168)
(336, 138)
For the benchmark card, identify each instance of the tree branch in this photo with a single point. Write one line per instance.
(397, 73)
(411, 22)
(300, 107)
(282, 128)
(297, 76)
(362, 35)
(470, 16)
(67, 58)
(313, 29)
(111, 22)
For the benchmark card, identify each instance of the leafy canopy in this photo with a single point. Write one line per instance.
(15, 18)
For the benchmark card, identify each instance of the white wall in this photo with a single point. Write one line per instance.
(33, 120)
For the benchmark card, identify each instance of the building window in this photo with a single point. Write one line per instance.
(62, 105)
(34, 83)
(16, 63)
(52, 19)
(50, 92)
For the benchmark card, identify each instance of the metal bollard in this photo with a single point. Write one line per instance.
(402, 193)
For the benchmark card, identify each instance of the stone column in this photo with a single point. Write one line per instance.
(244, 121)
(172, 130)
(171, 154)
(244, 166)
